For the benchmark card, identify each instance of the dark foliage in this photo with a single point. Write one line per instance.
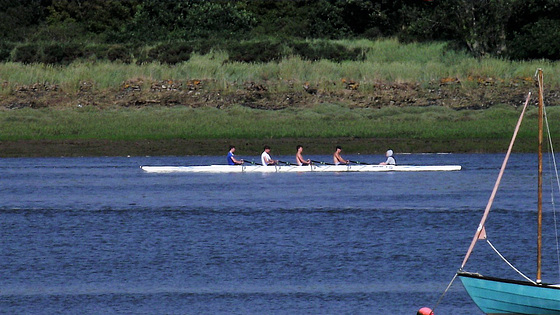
(262, 51)
(61, 53)
(538, 40)
(535, 26)
(99, 17)
(120, 53)
(28, 53)
(19, 19)
(171, 53)
(5, 51)
(95, 52)
(187, 20)
(519, 29)
(325, 50)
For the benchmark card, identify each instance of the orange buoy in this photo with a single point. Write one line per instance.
(425, 311)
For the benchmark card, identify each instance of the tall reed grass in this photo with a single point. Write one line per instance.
(386, 60)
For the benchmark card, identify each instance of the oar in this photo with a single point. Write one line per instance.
(358, 162)
(320, 162)
(283, 162)
(254, 163)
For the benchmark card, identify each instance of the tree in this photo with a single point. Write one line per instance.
(520, 29)
(19, 19)
(298, 19)
(98, 18)
(534, 29)
(371, 18)
(188, 19)
(480, 25)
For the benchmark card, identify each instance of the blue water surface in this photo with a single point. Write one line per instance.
(97, 235)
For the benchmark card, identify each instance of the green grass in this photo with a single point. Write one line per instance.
(236, 122)
(386, 60)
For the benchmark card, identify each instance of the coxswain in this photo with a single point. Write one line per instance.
(390, 158)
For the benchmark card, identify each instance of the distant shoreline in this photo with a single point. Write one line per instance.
(250, 147)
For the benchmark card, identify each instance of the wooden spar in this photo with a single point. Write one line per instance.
(480, 228)
(539, 204)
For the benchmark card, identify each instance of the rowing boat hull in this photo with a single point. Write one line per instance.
(292, 168)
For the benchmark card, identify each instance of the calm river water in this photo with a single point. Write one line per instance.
(100, 236)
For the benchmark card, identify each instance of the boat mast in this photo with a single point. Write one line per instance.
(539, 205)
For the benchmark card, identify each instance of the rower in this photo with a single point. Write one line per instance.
(265, 157)
(337, 158)
(299, 158)
(231, 157)
(390, 158)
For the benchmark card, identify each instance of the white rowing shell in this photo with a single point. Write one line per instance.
(292, 168)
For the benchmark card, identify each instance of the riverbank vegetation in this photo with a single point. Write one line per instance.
(382, 61)
(138, 72)
(416, 91)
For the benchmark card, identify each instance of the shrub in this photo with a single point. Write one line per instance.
(329, 51)
(5, 51)
(171, 53)
(61, 53)
(204, 47)
(142, 57)
(305, 51)
(119, 52)
(95, 52)
(28, 53)
(175, 52)
(264, 51)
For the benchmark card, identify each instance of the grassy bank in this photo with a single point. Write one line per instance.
(236, 122)
(408, 129)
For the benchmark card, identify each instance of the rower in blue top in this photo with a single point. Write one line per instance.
(231, 157)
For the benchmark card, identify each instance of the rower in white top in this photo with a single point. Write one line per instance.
(265, 157)
(390, 158)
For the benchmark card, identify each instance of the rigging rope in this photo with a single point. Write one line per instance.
(551, 147)
(443, 294)
(509, 264)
